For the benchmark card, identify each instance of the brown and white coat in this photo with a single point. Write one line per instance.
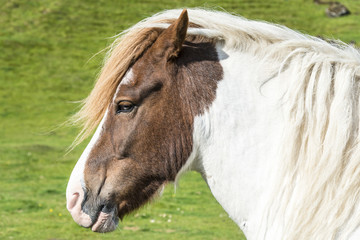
(255, 108)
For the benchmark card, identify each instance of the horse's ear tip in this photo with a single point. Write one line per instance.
(184, 13)
(175, 34)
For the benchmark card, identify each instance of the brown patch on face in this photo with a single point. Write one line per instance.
(141, 149)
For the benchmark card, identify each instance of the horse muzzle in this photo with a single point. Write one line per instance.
(102, 218)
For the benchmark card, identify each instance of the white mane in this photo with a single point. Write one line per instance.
(239, 32)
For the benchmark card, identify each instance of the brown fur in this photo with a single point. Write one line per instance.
(139, 151)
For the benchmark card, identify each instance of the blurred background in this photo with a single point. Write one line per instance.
(48, 61)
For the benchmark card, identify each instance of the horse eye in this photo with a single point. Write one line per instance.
(124, 107)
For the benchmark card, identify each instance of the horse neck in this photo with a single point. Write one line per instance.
(234, 139)
(238, 139)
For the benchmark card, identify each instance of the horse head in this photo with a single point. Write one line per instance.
(145, 136)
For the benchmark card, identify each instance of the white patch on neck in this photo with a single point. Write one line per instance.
(234, 139)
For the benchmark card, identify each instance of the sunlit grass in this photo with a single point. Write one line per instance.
(45, 47)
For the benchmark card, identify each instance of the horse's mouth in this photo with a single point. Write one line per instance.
(108, 216)
(106, 221)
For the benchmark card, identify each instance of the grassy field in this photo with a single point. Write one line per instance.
(45, 64)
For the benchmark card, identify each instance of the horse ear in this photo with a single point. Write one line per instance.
(170, 41)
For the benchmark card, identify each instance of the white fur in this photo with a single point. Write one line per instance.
(241, 138)
(127, 79)
(76, 182)
(231, 141)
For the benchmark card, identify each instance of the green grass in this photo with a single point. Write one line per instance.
(45, 47)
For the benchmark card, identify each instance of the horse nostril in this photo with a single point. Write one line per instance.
(73, 200)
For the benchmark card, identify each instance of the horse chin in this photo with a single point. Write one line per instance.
(106, 222)
(108, 217)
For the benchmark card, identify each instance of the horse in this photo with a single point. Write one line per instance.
(267, 115)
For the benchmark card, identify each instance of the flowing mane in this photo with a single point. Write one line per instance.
(234, 31)
(318, 165)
